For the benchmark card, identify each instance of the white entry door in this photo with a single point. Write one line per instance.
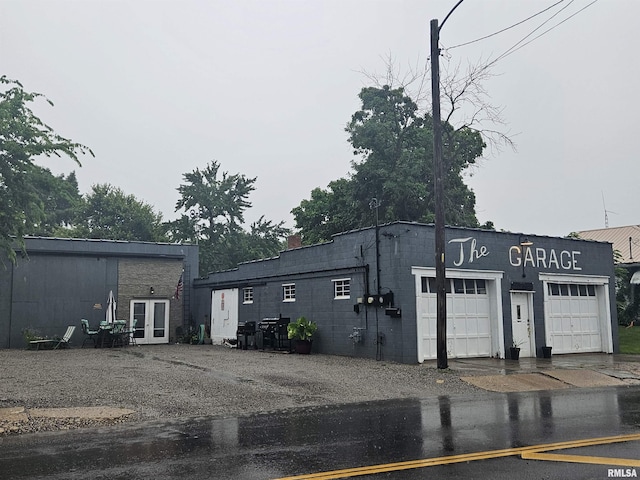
(224, 314)
(522, 323)
(151, 320)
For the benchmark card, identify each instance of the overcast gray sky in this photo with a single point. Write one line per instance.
(266, 87)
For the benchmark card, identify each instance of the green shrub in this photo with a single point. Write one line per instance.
(301, 329)
(29, 334)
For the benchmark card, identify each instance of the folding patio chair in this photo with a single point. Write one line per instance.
(131, 333)
(89, 334)
(54, 343)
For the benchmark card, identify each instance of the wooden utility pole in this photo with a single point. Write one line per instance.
(441, 293)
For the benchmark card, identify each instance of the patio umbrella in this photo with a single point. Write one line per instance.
(111, 308)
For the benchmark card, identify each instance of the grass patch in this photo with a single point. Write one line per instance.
(629, 339)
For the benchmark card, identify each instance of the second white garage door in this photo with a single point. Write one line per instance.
(573, 318)
(577, 313)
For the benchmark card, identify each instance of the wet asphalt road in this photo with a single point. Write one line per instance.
(320, 439)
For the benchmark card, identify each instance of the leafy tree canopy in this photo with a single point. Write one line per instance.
(213, 206)
(108, 213)
(60, 198)
(394, 146)
(24, 137)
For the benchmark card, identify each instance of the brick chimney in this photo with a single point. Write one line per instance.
(294, 241)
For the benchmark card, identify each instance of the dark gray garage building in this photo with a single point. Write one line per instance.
(64, 280)
(371, 291)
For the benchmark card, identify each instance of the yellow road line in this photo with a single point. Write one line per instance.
(556, 457)
(469, 457)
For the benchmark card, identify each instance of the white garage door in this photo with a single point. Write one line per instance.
(468, 318)
(573, 317)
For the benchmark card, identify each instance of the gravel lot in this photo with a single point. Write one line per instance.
(168, 381)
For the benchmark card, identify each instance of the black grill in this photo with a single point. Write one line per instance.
(274, 333)
(246, 335)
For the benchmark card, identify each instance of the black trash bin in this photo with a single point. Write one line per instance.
(546, 352)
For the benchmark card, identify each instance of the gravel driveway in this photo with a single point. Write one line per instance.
(168, 381)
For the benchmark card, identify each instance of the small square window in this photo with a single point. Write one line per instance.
(247, 295)
(289, 292)
(342, 288)
(469, 287)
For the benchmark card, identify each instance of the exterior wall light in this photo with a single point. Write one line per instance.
(151, 291)
(524, 243)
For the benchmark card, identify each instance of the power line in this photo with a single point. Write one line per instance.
(505, 29)
(518, 45)
(514, 49)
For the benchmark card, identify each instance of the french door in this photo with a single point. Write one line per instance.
(151, 319)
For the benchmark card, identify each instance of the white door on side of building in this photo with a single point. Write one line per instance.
(224, 314)
(151, 320)
(522, 324)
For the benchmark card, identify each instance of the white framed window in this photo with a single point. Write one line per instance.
(247, 295)
(289, 292)
(469, 286)
(341, 288)
(571, 290)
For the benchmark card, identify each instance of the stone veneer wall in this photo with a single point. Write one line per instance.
(136, 277)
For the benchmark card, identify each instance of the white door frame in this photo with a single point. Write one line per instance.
(601, 284)
(147, 323)
(526, 343)
(224, 314)
(494, 290)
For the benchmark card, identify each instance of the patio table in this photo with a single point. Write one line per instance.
(113, 334)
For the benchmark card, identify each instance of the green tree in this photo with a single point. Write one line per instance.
(109, 213)
(60, 198)
(23, 138)
(394, 144)
(627, 297)
(328, 212)
(213, 207)
(264, 239)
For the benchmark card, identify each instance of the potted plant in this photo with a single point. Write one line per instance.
(301, 332)
(514, 350)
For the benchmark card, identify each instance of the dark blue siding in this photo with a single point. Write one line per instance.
(399, 247)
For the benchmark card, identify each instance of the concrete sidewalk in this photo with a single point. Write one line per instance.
(560, 371)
